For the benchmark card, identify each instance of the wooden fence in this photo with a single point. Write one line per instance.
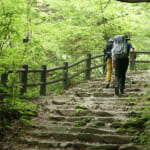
(65, 69)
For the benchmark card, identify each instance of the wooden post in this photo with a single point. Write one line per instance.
(4, 78)
(88, 67)
(43, 80)
(65, 76)
(3, 89)
(23, 79)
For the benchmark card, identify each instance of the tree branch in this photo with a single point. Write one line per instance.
(134, 1)
(107, 4)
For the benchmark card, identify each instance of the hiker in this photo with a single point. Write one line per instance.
(108, 61)
(120, 61)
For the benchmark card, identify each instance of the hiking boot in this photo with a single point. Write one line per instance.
(116, 91)
(107, 85)
(121, 91)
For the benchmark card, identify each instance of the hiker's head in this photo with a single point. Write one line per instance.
(127, 37)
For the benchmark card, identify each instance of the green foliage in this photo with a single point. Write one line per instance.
(81, 106)
(61, 31)
(93, 125)
(116, 124)
(82, 122)
(78, 112)
(12, 108)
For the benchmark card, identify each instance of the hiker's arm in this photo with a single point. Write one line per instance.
(133, 52)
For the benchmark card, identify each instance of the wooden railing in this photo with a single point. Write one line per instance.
(24, 71)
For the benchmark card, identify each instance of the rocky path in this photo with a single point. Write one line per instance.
(82, 118)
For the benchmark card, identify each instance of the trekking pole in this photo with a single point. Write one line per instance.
(131, 79)
(132, 66)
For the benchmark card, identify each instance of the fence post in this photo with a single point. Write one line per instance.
(4, 78)
(3, 89)
(43, 80)
(88, 67)
(65, 76)
(23, 79)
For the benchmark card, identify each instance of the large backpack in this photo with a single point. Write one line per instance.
(108, 48)
(120, 46)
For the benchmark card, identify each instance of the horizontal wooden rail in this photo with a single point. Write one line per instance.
(97, 66)
(54, 81)
(100, 55)
(76, 63)
(35, 70)
(142, 61)
(56, 68)
(143, 52)
(39, 83)
(22, 70)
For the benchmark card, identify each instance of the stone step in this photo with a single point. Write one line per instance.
(72, 129)
(142, 81)
(83, 137)
(98, 104)
(132, 84)
(137, 72)
(80, 146)
(72, 114)
(123, 100)
(101, 106)
(114, 106)
(110, 102)
(80, 112)
(102, 91)
(96, 124)
(86, 117)
(103, 94)
(65, 145)
(107, 93)
(89, 121)
(129, 83)
(131, 89)
(97, 79)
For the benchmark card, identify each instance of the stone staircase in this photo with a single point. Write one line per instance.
(81, 118)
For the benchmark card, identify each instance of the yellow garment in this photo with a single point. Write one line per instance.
(109, 69)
